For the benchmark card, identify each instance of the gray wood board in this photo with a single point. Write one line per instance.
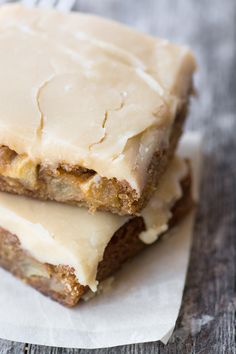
(207, 318)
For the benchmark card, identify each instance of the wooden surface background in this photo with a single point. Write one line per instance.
(206, 323)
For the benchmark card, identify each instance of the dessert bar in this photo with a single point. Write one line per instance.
(63, 251)
(90, 110)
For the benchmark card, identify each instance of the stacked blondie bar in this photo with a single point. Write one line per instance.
(91, 112)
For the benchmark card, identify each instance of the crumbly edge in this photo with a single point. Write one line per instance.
(64, 183)
(60, 282)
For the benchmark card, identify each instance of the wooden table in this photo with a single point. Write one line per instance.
(207, 319)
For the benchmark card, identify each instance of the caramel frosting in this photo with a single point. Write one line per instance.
(85, 91)
(158, 211)
(61, 234)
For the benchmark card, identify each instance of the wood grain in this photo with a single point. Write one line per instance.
(206, 323)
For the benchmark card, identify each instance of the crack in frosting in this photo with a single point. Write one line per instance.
(42, 119)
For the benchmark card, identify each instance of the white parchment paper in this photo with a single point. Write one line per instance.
(141, 306)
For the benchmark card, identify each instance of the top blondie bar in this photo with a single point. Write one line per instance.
(90, 110)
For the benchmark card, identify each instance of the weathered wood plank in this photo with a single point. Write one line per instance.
(210, 295)
(8, 347)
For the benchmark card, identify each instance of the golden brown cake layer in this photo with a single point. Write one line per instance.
(67, 183)
(60, 282)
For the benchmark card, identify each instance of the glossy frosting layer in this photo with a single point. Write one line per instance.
(86, 91)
